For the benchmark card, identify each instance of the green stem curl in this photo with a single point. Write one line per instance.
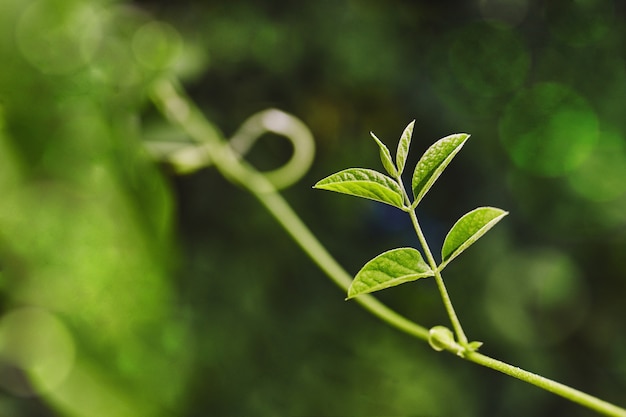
(180, 111)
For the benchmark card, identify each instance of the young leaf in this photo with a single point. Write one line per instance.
(385, 157)
(467, 230)
(474, 346)
(403, 147)
(389, 269)
(434, 161)
(365, 183)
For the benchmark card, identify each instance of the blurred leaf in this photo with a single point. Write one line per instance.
(389, 269)
(467, 230)
(434, 161)
(403, 147)
(85, 219)
(365, 183)
(385, 157)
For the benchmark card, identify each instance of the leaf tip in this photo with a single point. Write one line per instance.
(473, 346)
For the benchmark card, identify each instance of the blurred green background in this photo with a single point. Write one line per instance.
(128, 291)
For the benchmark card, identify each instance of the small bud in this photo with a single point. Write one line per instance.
(440, 338)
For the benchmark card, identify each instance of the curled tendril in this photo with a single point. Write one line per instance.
(187, 157)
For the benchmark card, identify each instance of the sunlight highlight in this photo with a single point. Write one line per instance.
(548, 129)
(37, 342)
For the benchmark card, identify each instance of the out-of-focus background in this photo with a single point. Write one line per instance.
(126, 290)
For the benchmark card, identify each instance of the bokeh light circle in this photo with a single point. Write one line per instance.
(37, 342)
(548, 129)
(580, 22)
(602, 177)
(155, 45)
(536, 297)
(59, 36)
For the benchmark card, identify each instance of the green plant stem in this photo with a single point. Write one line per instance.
(557, 388)
(285, 215)
(447, 302)
(180, 111)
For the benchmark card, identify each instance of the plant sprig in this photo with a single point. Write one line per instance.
(398, 266)
(181, 111)
(402, 265)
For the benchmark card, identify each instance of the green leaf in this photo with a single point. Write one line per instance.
(389, 269)
(433, 162)
(467, 230)
(385, 157)
(403, 147)
(365, 183)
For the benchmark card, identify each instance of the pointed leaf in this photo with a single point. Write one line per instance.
(403, 147)
(385, 157)
(467, 230)
(365, 183)
(474, 346)
(434, 161)
(389, 269)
